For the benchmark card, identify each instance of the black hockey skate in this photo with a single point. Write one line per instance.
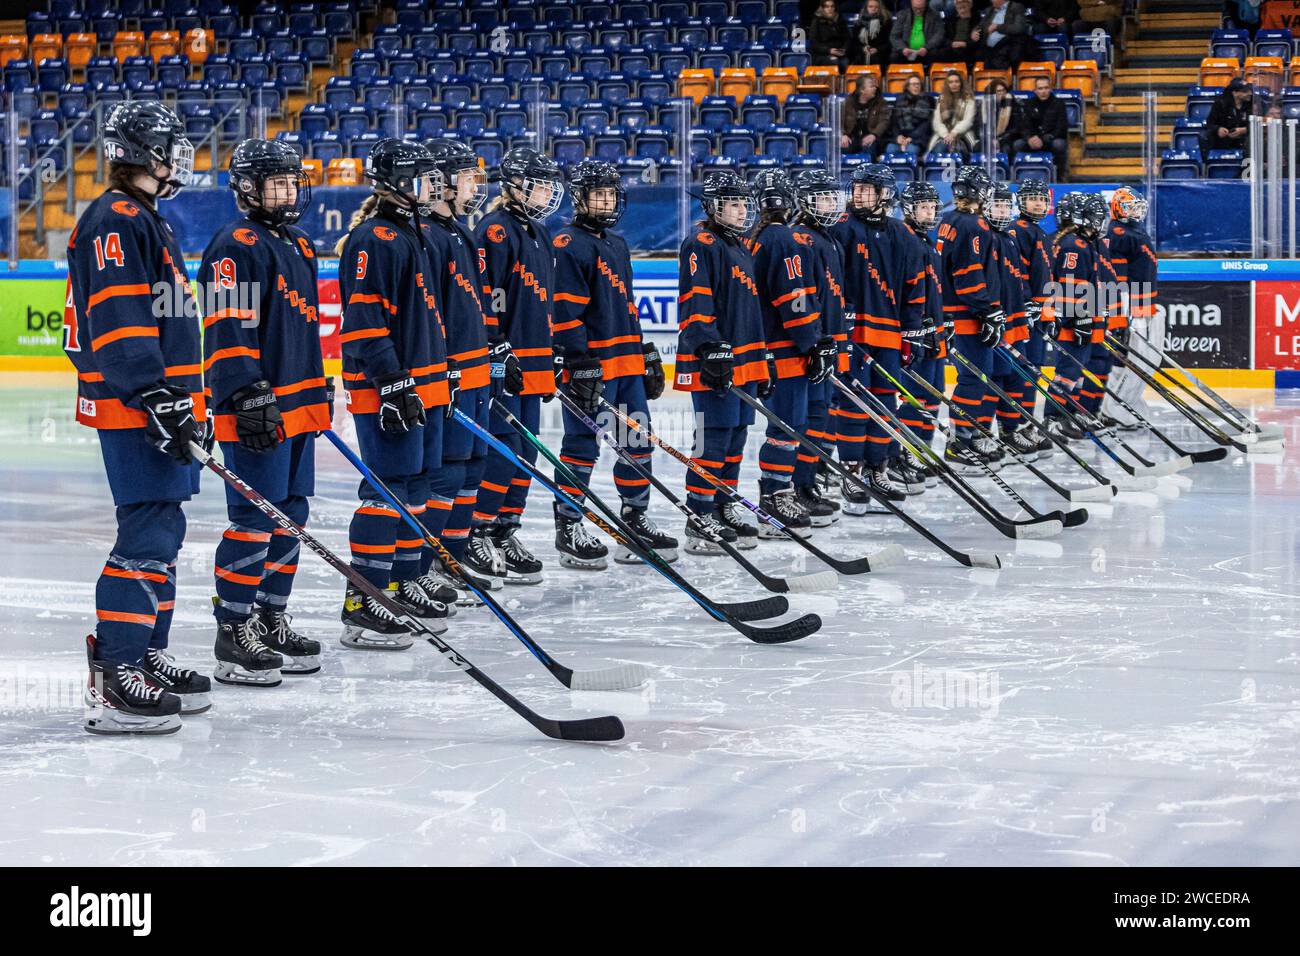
(437, 588)
(577, 548)
(1024, 442)
(822, 512)
(989, 451)
(962, 458)
(483, 563)
(784, 505)
(242, 659)
(301, 655)
(878, 477)
(120, 699)
(522, 566)
(412, 599)
(701, 535)
(734, 517)
(1065, 429)
(193, 688)
(636, 519)
(903, 471)
(369, 626)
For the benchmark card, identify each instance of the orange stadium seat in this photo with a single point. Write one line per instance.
(164, 43)
(1081, 75)
(984, 75)
(128, 43)
(856, 71)
(820, 79)
(736, 81)
(939, 74)
(12, 47)
(343, 172)
(1218, 71)
(898, 73)
(46, 46)
(314, 170)
(696, 84)
(1268, 71)
(779, 81)
(198, 45)
(78, 48)
(1027, 73)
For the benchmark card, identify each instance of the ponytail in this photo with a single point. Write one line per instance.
(364, 212)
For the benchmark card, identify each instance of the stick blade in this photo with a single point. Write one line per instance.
(1210, 454)
(618, 677)
(759, 610)
(592, 729)
(891, 554)
(982, 559)
(1039, 529)
(1100, 493)
(1265, 448)
(794, 630)
(817, 581)
(1162, 468)
(1075, 517)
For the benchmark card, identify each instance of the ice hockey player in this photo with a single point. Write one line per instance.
(395, 372)
(267, 387)
(719, 345)
(878, 261)
(460, 191)
(1108, 310)
(800, 354)
(820, 200)
(926, 355)
(1076, 269)
(598, 344)
(515, 256)
(1034, 200)
(972, 299)
(1132, 255)
(140, 384)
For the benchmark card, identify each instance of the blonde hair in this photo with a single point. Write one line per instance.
(365, 211)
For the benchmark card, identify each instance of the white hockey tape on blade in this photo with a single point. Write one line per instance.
(1099, 493)
(1044, 529)
(887, 556)
(984, 559)
(619, 677)
(1266, 448)
(1162, 468)
(817, 581)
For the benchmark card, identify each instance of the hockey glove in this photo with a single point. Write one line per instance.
(716, 364)
(504, 368)
(586, 379)
(766, 388)
(991, 325)
(400, 407)
(931, 331)
(912, 348)
(171, 424)
(654, 372)
(821, 359)
(453, 387)
(258, 421)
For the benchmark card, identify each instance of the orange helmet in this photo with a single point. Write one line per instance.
(1127, 206)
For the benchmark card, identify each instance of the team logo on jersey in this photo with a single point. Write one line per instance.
(384, 233)
(86, 407)
(307, 251)
(975, 244)
(562, 240)
(706, 238)
(125, 208)
(246, 236)
(496, 232)
(803, 238)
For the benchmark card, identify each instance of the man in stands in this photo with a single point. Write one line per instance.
(1002, 33)
(917, 35)
(1043, 125)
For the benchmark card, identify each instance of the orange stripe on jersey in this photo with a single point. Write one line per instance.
(362, 334)
(113, 291)
(233, 352)
(216, 317)
(126, 332)
(361, 298)
(575, 299)
(694, 290)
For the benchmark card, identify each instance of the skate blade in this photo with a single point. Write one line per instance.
(300, 666)
(362, 640)
(534, 577)
(623, 556)
(768, 533)
(146, 727)
(192, 704)
(825, 521)
(236, 676)
(579, 564)
(749, 543)
(705, 549)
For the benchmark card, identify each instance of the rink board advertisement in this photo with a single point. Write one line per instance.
(1219, 314)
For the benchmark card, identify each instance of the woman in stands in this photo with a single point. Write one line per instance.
(719, 345)
(912, 119)
(954, 120)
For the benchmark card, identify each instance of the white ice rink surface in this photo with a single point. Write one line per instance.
(1127, 693)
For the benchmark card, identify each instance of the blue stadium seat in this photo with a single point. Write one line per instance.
(771, 34)
(1274, 43)
(1290, 101)
(172, 71)
(314, 119)
(759, 111)
(612, 146)
(431, 121)
(573, 92)
(253, 70)
(555, 67)
(45, 125)
(1199, 103)
(570, 147)
(783, 142)
(903, 165)
(52, 74)
(267, 18)
(537, 42)
(365, 66)
(940, 167)
(244, 43)
(713, 58)
(1054, 47)
(281, 41)
(749, 11)
(595, 64)
(757, 58)
(317, 46)
(655, 37)
(340, 93)
(219, 68)
(200, 120)
(576, 40)
(672, 60)
(1223, 163)
(411, 14)
(294, 139)
(594, 119)
(441, 67)
(338, 19)
(655, 90)
(654, 143)
(417, 93)
(511, 120)
(404, 65)
(1230, 43)
(694, 37)
(1038, 165)
(732, 37)
(326, 146)
(633, 115)
(480, 66)
(495, 92)
(102, 69)
(715, 112)
(738, 142)
(491, 146)
(1175, 164)
(153, 21)
(457, 94)
(516, 66)
(802, 111)
(352, 121)
(1001, 164)
(360, 146)
(1095, 46)
(472, 120)
(614, 89)
(74, 99)
(107, 25)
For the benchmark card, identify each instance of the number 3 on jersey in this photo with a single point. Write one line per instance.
(108, 248)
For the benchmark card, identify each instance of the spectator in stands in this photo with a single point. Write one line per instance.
(944, 8)
(872, 30)
(1002, 34)
(1054, 16)
(954, 120)
(912, 118)
(917, 35)
(958, 47)
(1225, 127)
(1043, 126)
(865, 119)
(1010, 116)
(828, 37)
(1107, 15)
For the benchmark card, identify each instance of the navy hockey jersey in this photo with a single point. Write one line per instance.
(261, 321)
(792, 320)
(1014, 283)
(130, 322)
(970, 274)
(878, 265)
(518, 276)
(1133, 258)
(1035, 259)
(1077, 268)
(457, 285)
(595, 311)
(826, 278)
(718, 302)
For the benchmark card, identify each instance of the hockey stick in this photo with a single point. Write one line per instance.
(1092, 426)
(589, 728)
(1136, 485)
(818, 581)
(735, 615)
(1095, 493)
(1225, 409)
(1043, 527)
(1067, 520)
(975, 559)
(1192, 457)
(621, 677)
(890, 554)
(1216, 434)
